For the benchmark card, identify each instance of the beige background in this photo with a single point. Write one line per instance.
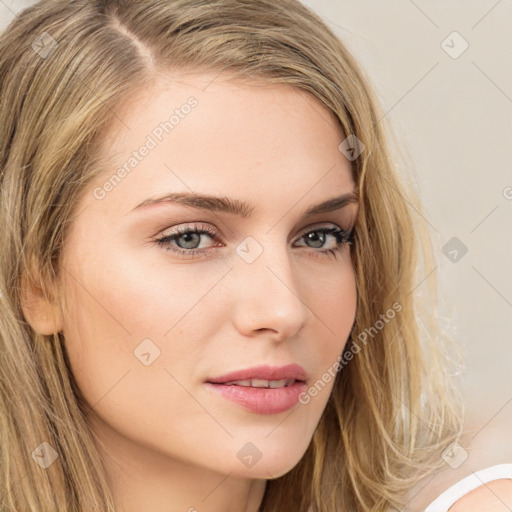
(454, 118)
(454, 115)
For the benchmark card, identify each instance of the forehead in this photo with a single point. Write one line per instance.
(211, 134)
(223, 105)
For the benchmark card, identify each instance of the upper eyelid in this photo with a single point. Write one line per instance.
(214, 233)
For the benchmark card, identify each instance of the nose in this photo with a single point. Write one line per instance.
(267, 296)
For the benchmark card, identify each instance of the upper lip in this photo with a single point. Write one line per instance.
(263, 372)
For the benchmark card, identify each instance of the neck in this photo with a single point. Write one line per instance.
(142, 478)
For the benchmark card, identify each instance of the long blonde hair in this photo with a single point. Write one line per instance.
(64, 67)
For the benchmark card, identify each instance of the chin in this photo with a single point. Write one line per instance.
(267, 462)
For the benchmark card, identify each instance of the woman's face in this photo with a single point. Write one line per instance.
(147, 324)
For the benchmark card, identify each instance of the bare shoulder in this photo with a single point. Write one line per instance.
(495, 496)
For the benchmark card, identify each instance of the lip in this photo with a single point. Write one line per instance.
(264, 372)
(261, 400)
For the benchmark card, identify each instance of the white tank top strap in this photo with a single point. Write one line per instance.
(445, 500)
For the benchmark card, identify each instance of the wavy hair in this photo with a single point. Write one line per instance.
(65, 65)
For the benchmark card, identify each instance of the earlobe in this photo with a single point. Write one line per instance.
(43, 315)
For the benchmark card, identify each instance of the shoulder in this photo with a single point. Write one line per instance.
(495, 496)
(487, 490)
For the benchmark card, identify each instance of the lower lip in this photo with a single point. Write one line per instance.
(261, 400)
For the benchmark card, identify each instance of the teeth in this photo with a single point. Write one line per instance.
(239, 383)
(261, 383)
(279, 383)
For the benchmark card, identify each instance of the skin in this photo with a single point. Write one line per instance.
(486, 447)
(169, 444)
(495, 496)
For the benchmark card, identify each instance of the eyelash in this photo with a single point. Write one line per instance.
(342, 238)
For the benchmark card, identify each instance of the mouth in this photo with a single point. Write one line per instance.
(262, 389)
(260, 383)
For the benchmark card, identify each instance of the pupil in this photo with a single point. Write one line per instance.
(187, 237)
(320, 240)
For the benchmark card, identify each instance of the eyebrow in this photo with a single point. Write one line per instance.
(241, 208)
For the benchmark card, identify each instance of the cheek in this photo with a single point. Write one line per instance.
(135, 378)
(133, 316)
(333, 301)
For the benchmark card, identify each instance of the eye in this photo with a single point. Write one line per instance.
(339, 236)
(185, 241)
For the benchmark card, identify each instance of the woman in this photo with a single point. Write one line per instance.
(199, 201)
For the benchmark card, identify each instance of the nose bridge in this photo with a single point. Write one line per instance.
(268, 294)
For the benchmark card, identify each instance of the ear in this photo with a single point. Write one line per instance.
(41, 311)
